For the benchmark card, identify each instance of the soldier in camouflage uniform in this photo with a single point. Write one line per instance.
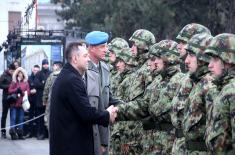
(194, 121)
(185, 83)
(220, 135)
(183, 37)
(134, 85)
(57, 66)
(166, 58)
(115, 47)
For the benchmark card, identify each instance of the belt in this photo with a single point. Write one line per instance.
(179, 133)
(196, 145)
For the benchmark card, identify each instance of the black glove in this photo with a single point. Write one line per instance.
(19, 91)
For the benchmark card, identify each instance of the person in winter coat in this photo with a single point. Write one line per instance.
(18, 86)
(40, 81)
(5, 81)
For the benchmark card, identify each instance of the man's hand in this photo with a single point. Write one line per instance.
(103, 149)
(112, 113)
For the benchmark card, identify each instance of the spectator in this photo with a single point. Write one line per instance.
(32, 100)
(39, 82)
(5, 81)
(16, 64)
(19, 86)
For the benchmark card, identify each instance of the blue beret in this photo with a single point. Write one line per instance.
(96, 38)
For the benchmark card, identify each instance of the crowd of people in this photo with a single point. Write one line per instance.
(170, 97)
(15, 84)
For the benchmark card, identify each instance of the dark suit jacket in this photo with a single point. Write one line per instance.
(39, 83)
(71, 116)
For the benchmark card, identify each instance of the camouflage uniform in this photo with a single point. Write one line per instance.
(141, 108)
(188, 99)
(47, 93)
(220, 135)
(194, 122)
(116, 45)
(117, 132)
(161, 104)
(133, 87)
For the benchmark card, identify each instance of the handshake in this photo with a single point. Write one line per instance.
(112, 113)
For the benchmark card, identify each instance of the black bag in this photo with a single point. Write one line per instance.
(12, 98)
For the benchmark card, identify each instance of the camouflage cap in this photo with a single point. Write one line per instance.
(117, 44)
(197, 45)
(223, 46)
(125, 55)
(191, 29)
(167, 50)
(143, 38)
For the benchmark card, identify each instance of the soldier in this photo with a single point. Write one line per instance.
(57, 66)
(185, 83)
(115, 47)
(183, 37)
(194, 121)
(134, 85)
(166, 58)
(124, 69)
(220, 135)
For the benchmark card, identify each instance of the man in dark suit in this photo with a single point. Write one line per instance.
(71, 115)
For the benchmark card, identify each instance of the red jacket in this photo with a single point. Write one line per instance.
(15, 84)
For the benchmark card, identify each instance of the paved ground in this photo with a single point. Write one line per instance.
(30, 146)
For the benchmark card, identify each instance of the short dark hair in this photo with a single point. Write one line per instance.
(36, 66)
(11, 67)
(71, 48)
(58, 63)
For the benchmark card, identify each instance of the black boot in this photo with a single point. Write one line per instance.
(4, 134)
(13, 134)
(20, 134)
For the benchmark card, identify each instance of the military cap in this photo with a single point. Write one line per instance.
(96, 38)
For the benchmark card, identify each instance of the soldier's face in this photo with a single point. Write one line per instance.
(120, 66)
(159, 64)
(216, 66)
(112, 56)
(134, 50)
(191, 62)
(152, 64)
(181, 47)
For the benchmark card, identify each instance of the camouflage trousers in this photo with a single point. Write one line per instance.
(126, 138)
(157, 142)
(179, 147)
(216, 146)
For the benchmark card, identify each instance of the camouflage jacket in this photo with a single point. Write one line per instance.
(161, 104)
(194, 123)
(134, 84)
(49, 83)
(138, 109)
(220, 135)
(179, 101)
